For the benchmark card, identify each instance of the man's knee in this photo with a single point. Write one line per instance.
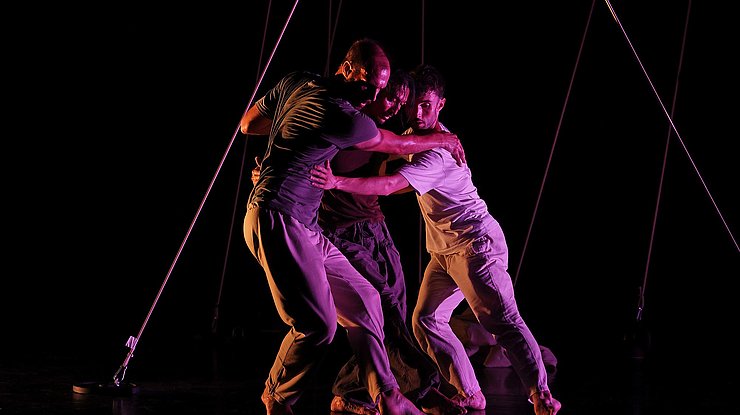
(321, 331)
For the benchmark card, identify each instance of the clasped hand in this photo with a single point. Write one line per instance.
(322, 176)
(455, 148)
(452, 144)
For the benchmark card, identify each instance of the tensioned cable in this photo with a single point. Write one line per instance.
(133, 341)
(422, 229)
(217, 307)
(423, 27)
(673, 126)
(332, 33)
(554, 142)
(641, 302)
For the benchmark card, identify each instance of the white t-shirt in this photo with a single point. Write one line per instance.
(454, 213)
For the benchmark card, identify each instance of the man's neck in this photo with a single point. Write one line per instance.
(423, 131)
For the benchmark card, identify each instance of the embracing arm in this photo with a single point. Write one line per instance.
(254, 123)
(389, 142)
(323, 178)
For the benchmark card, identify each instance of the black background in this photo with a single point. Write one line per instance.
(126, 178)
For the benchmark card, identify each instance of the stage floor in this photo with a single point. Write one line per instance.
(225, 377)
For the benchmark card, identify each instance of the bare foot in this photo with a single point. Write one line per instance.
(339, 404)
(436, 403)
(544, 403)
(474, 401)
(393, 402)
(274, 407)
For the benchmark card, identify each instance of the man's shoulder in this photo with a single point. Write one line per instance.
(302, 75)
(426, 157)
(295, 79)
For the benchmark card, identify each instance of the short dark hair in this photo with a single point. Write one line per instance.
(399, 79)
(428, 78)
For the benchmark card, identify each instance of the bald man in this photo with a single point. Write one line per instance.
(308, 119)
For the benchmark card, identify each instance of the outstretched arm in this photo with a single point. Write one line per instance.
(389, 142)
(323, 178)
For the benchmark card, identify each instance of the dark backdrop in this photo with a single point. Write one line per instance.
(122, 129)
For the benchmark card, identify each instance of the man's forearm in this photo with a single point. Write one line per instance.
(382, 186)
(412, 143)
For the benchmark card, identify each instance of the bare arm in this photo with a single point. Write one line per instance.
(389, 142)
(323, 178)
(254, 123)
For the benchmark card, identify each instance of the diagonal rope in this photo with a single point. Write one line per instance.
(641, 303)
(133, 342)
(554, 142)
(673, 126)
(217, 307)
